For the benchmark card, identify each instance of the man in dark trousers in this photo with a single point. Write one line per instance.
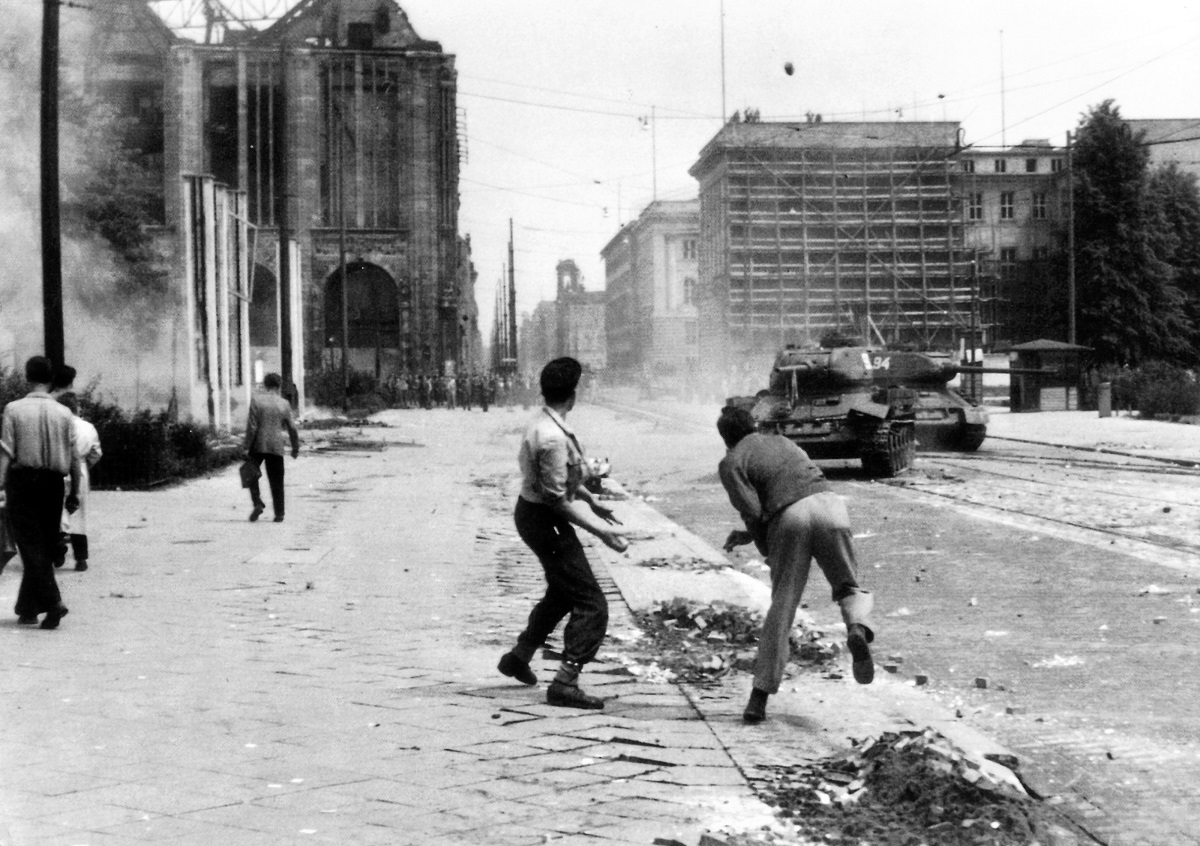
(37, 451)
(270, 414)
(553, 499)
(792, 515)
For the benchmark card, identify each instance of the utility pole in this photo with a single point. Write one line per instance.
(283, 222)
(1070, 238)
(654, 152)
(724, 114)
(512, 301)
(52, 296)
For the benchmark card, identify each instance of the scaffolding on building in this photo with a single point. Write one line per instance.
(854, 229)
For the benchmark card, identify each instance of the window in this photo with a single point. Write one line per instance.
(1031, 165)
(1001, 165)
(689, 290)
(975, 207)
(1039, 206)
(1041, 253)
(1006, 205)
(968, 166)
(689, 248)
(1055, 165)
(1008, 262)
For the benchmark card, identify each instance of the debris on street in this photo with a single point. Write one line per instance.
(704, 641)
(902, 788)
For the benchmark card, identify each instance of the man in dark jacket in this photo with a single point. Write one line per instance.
(793, 516)
(270, 414)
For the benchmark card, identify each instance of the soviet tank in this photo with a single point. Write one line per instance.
(944, 418)
(829, 402)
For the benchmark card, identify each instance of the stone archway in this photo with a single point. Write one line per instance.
(373, 318)
(264, 324)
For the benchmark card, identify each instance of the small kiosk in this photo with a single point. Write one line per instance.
(1055, 390)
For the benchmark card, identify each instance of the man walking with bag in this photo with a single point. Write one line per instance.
(37, 450)
(270, 414)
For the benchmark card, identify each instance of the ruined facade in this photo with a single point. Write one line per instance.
(333, 130)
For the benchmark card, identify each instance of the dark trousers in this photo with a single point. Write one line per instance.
(274, 472)
(78, 544)
(571, 588)
(35, 499)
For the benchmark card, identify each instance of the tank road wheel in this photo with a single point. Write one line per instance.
(892, 452)
(971, 437)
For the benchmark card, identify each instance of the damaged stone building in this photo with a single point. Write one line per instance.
(332, 130)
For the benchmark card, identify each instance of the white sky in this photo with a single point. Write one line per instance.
(553, 90)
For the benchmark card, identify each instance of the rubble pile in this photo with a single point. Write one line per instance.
(705, 641)
(908, 788)
(682, 562)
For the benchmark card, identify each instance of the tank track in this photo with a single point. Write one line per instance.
(891, 451)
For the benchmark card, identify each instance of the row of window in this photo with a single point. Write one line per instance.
(1007, 205)
(1001, 165)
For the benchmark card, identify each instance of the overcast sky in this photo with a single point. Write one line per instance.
(553, 91)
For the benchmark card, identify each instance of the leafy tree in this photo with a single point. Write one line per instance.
(1130, 307)
(1175, 202)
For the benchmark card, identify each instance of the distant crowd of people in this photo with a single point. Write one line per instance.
(465, 391)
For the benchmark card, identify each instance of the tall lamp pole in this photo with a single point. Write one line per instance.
(52, 297)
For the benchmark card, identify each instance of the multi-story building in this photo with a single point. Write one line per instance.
(1014, 204)
(332, 132)
(572, 324)
(809, 229)
(651, 280)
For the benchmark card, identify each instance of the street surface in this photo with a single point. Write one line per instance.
(331, 679)
(1066, 579)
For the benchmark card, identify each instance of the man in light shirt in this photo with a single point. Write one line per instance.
(553, 500)
(37, 450)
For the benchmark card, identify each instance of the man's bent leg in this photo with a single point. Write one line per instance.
(834, 551)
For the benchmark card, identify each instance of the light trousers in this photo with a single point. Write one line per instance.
(817, 526)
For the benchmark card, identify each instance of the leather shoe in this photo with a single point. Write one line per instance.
(27, 620)
(515, 668)
(860, 651)
(756, 708)
(278, 518)
(256, 513)
(570, 696)
(52, 617)
(80, 566)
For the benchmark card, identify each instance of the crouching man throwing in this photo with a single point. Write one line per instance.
(553, 500)
(793, 516)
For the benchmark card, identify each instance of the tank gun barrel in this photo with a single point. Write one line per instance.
(954, 369)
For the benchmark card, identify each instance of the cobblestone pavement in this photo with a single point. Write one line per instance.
(331, 679)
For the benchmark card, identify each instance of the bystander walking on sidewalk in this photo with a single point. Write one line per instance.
(269, 416)
(88, 452)
(37, 450)
(553, 472)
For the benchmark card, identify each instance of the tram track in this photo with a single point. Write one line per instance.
(1115, 499)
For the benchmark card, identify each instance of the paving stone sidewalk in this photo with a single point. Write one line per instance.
(331, 679)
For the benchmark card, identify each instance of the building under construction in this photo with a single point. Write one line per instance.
(821, 227)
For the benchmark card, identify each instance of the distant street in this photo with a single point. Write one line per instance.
(1066, 580)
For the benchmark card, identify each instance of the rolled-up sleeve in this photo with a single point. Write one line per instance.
(552, 458)
(7, 437)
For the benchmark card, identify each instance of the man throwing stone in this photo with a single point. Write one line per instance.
(553, 499)
(793, 516)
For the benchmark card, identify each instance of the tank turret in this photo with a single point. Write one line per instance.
(829, 402)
